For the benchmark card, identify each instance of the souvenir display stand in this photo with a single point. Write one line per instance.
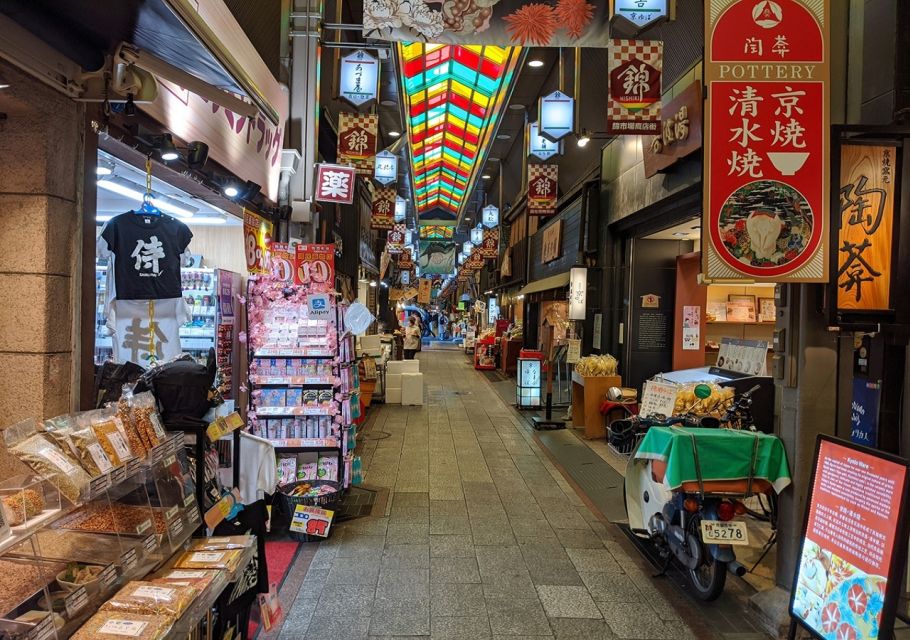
(88, 550)
(485, 353)
(304, 389)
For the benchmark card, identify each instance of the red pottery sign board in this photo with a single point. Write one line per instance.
(766, 140)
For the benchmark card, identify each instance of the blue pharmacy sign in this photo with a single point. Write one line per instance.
(864, 412)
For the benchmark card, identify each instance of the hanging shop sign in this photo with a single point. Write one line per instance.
(540, 147)
(395, 240)
(404, 277)
(257, 236)
(358, 77)
(436, 257)
(551, 243)
(489, 216)
(766, 129)
(405, 260)
(386, 170)
(503, 23)
(357, 135)
(423, 291)
(864, 411)
(865, 240)
(543, 184)
(578, 293)
(474, 262)
(383, 210)
(401, 209)
(489, 246)
(315, 264)
(680, 131)
(848, 576)
(633, 103)
(556, 116)
(281, 261)
(467, 247)
(335, 183)
(641, 13)
(477, 235)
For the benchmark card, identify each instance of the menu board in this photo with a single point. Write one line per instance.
(848, 576)
(743, 356)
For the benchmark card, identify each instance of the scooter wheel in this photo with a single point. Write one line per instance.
(709, 577)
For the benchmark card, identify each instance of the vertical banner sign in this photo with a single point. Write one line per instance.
(864, 412)
(281, 262)
(335, 183)
(848, 576)
(405, 261)
(490, 216)
(315, 264)
(866, 235)
(633, 103)
(395, 240)
(556, 116)
(543, 183)
(386, 170)
(766, 168)
(489, 246)
(257, 235)
(357, 134)
(383, 216)
(423, 291)
(540, 147)
(578, 293)
(358, 77)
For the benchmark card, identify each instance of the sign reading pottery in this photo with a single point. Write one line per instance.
(633, 104)
(541, 147)
(358, 77)
(866, 235)
(641, 13)
(386, 170)
(335, 183)
(489, 246)
(357, 135)
(556, 116)
(680, 131)
(543, 184)
(257, 236)
(766, 168)
(551, 244)
(383, 211)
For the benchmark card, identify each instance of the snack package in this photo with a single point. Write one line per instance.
(287, 469)
(133, 435)
(144, 411)
(294, 397)
(222, 542)
(46, 459)
(22, 506)
(306, 470)
(197, 579)
(151, 599)
(121, 625)
(109, 431)
(60, 429)
(327, 468)
(226, 559)
(92, 455)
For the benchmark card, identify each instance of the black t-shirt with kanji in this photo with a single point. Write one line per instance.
(147, 251)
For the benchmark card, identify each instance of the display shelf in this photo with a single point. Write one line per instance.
(305, 444)
(309, 352)
(293, 381)
(295, 411)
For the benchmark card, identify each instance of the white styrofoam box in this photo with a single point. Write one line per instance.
(403, 366)
(393, 381)
(371, 345)
(412, 388)
(393, 396)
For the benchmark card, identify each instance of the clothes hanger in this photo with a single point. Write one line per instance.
(147, 208)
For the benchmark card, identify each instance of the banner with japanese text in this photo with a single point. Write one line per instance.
(315, 264)
(543, 186)
(335, 183)
(357, 135)
(436, 257)
(489, 248)
(282, 261)
(866, 227)
(395, 240)
(257, 236)
(382, 217)
(633, 103)
(474, 262)
(405, 260)
(424, 290)
(766, 140)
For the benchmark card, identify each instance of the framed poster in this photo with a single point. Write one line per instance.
(854, 543)
(767, 310)
(741, 311)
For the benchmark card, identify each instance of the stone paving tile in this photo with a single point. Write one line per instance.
(594, 560)
(409, 618)
(354, 571)
(580, 629)
(406, 556)
(403, 499)
(458, 570)
(451, 546)
(460, 628)
(409, 533)
(611, 587)
(333, 626)
(627, 621)
(452, 599)
(517, 616)
(567, 602)
(579, 539)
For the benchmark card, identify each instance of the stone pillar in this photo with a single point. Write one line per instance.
(41, 177)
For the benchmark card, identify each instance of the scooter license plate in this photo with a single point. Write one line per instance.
(719, 532)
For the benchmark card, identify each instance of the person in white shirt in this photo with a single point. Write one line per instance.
(411, 339)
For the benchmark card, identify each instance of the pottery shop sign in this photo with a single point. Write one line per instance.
(680, 131)
(865, 239)
(766, 129)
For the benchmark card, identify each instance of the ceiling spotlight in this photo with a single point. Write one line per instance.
(486, 176)
(535, 63)
(104, 169)
(394, 134)
(196, 154)
(166, 148)
(503, 136)
(231, 190)
(584, 139)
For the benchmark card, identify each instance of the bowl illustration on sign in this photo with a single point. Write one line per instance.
(765, 224)
(788, 162)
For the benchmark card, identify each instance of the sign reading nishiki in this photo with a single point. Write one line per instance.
(635, 69)
(335, 183)
(395, 240)
(766, 136)
(383, 209)
(489, 246)
(357, 134)
(542, 189)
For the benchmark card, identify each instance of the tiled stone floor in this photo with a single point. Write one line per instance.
(481, 537)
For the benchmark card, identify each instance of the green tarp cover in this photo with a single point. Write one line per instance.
(723, 454)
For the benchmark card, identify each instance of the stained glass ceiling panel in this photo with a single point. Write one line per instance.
(454, 96)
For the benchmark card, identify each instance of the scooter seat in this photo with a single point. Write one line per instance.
(738, 486)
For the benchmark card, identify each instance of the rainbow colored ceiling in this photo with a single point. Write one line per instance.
(437, 232)
(453, 98)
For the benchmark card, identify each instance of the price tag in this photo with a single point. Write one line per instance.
(169, 461)
(312, 521)
(150, 544)
(175, 528)
(193, 514)
(143, 526)
(118, 475)
(128, 560)
(170, 513)
(223, 426)
(44, 630)
(75, 602)
(159, 451)
(108, 576)
(221, 509)
(99, 485)
(189, 499)
(133, 466)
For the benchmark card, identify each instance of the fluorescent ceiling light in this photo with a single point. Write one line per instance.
(486, 176)
(535, 63)
(131, 190)
(104, 169)
(389, 103)
(395, 134)
(503, 136)
(207, 220)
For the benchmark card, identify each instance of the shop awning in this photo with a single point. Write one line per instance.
(545, 284)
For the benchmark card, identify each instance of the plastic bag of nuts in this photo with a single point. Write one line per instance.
(152, 599)
(116, 625)
(46, 459)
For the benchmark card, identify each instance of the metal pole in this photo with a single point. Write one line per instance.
(578, 126)
(562, 73)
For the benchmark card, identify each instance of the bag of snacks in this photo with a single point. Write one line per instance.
(222, 542)
(60, 430)
(23, 505)
(91, 453)
(144, 412)
(197, 579)
(152, 599)
(137, 444)
(119, 625)
(110, 433)
(225, 559)
(46, 459)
